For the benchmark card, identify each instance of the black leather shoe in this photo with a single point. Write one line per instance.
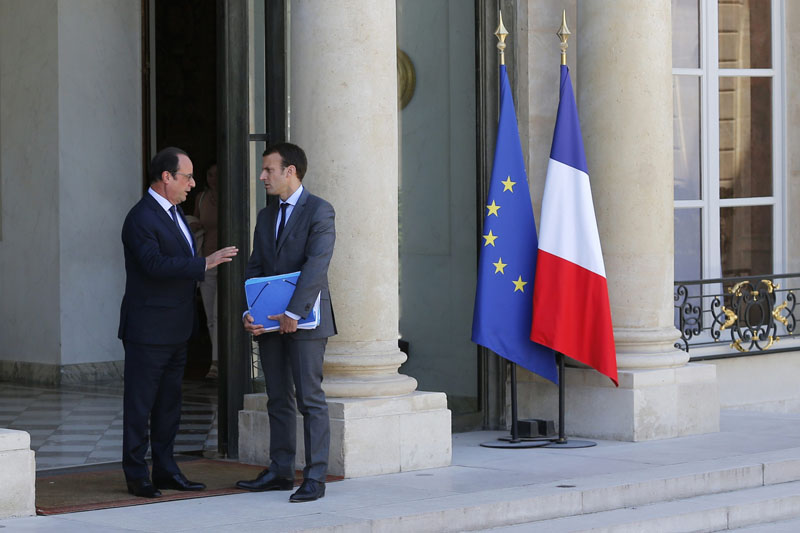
(178, 482)
(143, 488)
(310, 490)
(266, 480)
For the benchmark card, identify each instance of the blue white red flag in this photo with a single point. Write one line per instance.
(571, 311)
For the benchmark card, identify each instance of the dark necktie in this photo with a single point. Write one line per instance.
(284, 206)
(174, 212)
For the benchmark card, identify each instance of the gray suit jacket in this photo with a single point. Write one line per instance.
(306, 245)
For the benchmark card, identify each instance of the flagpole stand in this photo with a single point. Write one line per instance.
(561, 441)
(514, 441)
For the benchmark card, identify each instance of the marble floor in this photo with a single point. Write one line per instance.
(74, 425)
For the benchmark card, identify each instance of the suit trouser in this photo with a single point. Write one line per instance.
(153, 376)
(293, 369)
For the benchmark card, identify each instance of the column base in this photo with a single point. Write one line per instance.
(648, 405)
(369, 436)
(365, 370)
(17, 474)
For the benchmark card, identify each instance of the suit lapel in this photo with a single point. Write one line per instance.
(164, 217)
(297, 211)
(272, 215)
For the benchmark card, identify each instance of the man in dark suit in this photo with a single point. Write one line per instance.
(157, 317)
(295, 234)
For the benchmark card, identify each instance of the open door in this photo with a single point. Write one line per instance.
(251, 112)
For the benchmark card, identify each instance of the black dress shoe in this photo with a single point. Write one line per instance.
(178, 482)
(310, 490)
(143, 488)
(266, 480)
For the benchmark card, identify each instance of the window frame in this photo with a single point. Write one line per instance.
(710, 203)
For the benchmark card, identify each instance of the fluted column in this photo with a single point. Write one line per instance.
(624, 87)
(343, 112)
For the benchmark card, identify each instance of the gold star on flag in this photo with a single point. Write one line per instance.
(499, 266)
(508, 185)
(493, 209)
(519, 285)
(489, 239)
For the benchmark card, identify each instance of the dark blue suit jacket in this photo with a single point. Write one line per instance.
(306, 245)
(162, 273)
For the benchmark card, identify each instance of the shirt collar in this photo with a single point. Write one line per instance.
(292, 200)
(163, 202)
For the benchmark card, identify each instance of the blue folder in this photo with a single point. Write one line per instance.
(270, 296)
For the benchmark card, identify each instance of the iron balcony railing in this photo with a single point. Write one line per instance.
(739, 316)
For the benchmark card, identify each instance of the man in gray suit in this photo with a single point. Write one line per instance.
(295, 234)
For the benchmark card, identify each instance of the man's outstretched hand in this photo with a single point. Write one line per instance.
(223, 255)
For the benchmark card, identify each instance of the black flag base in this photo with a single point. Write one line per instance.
(512, 443)
(539, 442)
(515, 441)
(565, 444)
(562, 441)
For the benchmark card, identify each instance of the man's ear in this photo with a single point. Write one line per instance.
(165, 176)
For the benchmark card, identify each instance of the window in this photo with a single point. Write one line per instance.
(728, 156)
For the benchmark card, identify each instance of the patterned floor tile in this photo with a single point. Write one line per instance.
(79, 425)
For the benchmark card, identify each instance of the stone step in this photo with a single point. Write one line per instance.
(757, 507)
(784, 526)
(763, 477)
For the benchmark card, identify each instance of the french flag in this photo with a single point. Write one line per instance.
(571, 311)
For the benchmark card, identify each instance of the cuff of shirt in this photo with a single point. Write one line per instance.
(291, 315)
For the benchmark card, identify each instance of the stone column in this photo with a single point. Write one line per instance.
(625, 95)
(343, 112)
(624, 92)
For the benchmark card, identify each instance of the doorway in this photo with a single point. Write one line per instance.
(437, 203)
(182, 39)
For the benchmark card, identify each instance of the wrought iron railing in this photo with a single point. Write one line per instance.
(741, 316)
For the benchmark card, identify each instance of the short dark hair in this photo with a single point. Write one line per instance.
(165, 160)
(291, 154)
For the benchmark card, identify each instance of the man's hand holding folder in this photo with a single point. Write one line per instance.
(268, 298)
(287, 324)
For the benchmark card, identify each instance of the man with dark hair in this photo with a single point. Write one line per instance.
(295, 234)
(157, 317)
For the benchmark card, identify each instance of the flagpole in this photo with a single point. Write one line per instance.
(514, 441)
(562, 387)
(562, 442)
(514, 416)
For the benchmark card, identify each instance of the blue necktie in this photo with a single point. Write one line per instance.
(174, 212)
(284, 206)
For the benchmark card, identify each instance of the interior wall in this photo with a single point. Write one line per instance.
(30, 327)
(99, 168)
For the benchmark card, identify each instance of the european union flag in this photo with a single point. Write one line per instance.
(504, 297)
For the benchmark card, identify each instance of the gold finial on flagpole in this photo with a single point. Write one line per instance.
(563, 34)
(501, 33)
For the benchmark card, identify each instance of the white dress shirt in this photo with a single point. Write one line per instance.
(166, 205)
